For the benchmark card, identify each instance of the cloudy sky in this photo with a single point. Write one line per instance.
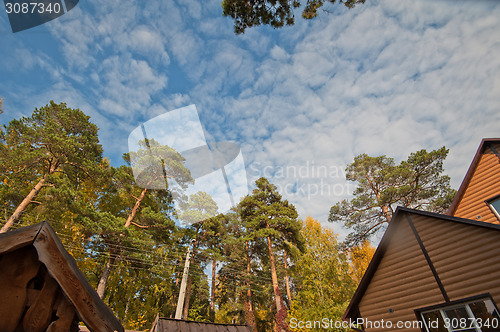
(387, 77)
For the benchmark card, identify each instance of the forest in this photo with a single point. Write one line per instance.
(258, 264)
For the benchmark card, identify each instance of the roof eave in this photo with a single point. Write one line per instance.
(470, 172)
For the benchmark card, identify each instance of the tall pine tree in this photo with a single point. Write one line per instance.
(275, 220)
(54, 139)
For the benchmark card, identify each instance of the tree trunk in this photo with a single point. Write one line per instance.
(177, 279)
(101, 287)
(19, 210)
(287, 282)
(185, 312)
(135, 208)
(212, 292)
(126, 308)
(248, 303)
(188, 288)
(387, 213)
(280, 310)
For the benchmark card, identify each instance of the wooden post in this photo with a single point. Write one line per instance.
(182, 292)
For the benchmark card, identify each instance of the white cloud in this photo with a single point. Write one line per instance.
(385, 77)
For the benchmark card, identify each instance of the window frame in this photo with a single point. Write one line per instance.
(489, 202)
(461, 303)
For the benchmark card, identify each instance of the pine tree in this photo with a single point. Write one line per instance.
(382, 185)
(276, 221)
(54, 139)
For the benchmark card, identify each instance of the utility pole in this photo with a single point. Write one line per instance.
(182, 292)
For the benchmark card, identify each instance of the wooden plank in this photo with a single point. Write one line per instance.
(32, 295)
(65, 313)
(39, 315)
(62, 267)
(17, 269)
(18, 238)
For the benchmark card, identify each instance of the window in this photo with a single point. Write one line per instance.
(494, 204)
(474, 314)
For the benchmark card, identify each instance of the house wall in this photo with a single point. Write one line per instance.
(402, 282)
(465, 257)
(484, 184)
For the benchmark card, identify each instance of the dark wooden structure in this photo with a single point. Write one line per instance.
(42, 289)
(178, 325)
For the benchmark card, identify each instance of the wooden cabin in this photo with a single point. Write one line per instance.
(438, 272)
(42, 289)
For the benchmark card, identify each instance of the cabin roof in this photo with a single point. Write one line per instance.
(352, 309)
(485, 143)
(178, 325)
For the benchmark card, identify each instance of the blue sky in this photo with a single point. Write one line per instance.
(387, 77)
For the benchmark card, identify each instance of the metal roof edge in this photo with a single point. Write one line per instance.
(470, 172)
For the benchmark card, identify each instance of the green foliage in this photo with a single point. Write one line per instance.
(53, 137)
(157, 163)
(276, 13)
(382, 186)
(266, 214)
(200, 207)
(54, 145)
(321, 276)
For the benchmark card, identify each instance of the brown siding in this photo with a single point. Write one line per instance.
(467, 258)
(484, 184)
(403, 282)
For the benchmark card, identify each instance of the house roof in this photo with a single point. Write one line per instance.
(178, 325)
(485, 143)
(352, 310)
(63, 269)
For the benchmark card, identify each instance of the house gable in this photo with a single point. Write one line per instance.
(426, 259)
(481, 183)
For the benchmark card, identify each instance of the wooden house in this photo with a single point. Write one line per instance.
(42, 289)
(436, 272)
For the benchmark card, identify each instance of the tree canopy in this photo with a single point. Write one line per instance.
(54, 140)
(122, 228)
(276, 13)
(416, 183)
(275, 219)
